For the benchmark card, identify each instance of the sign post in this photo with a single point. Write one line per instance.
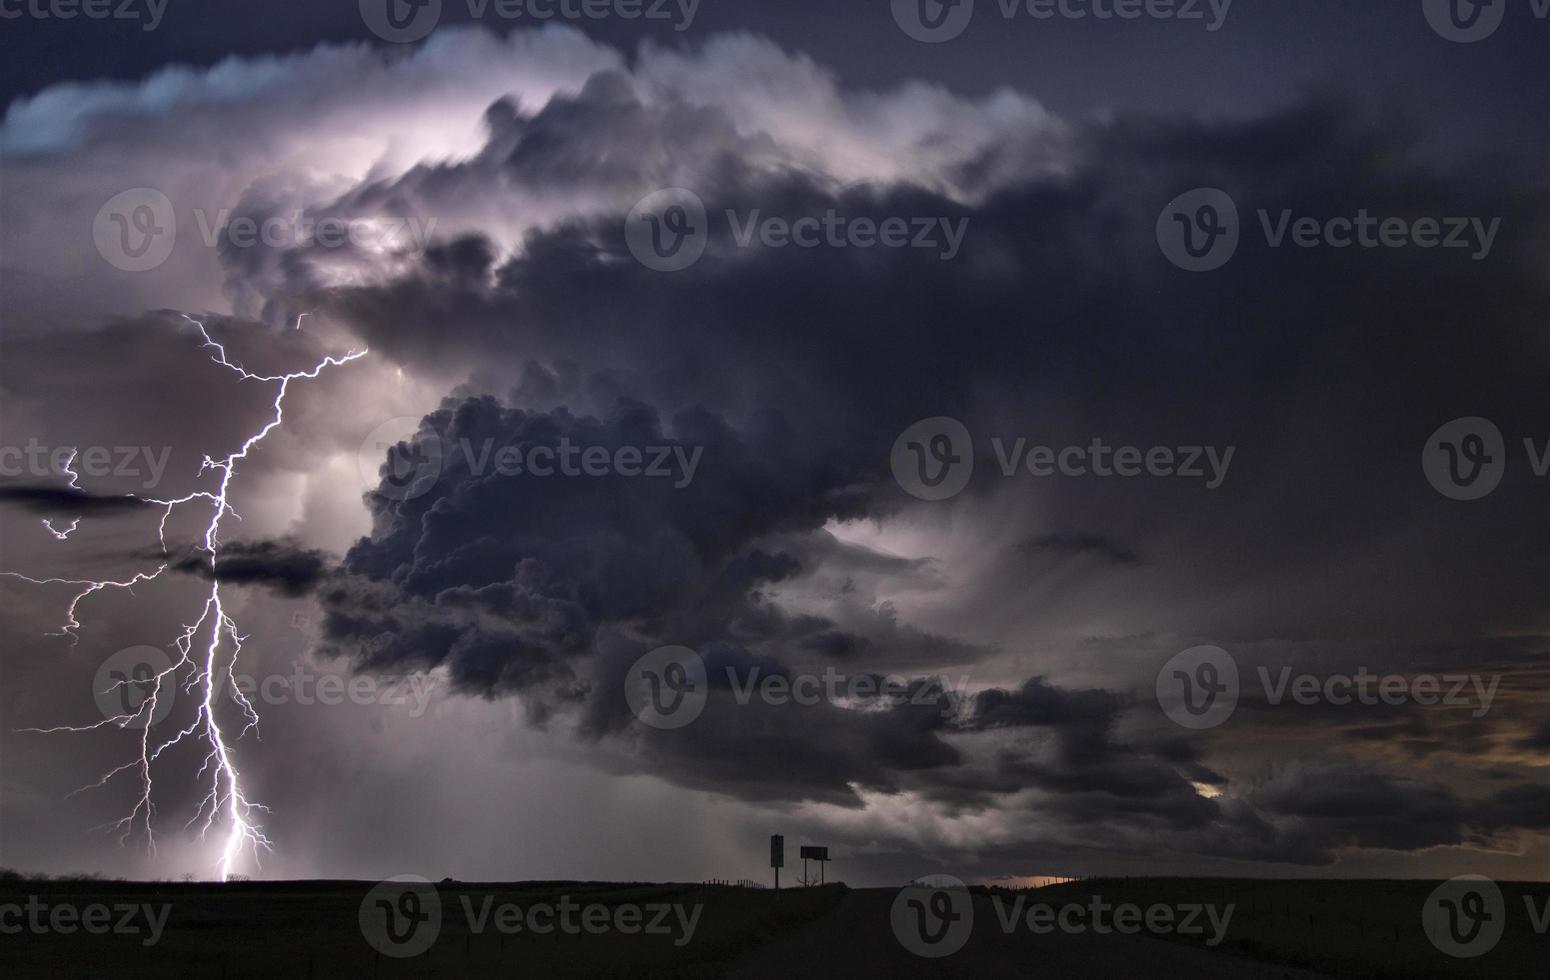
(777, 856)
(819, 854)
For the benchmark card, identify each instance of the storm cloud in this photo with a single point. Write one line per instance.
(1026, 618)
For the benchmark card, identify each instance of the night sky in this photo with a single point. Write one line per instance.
(1280, 273)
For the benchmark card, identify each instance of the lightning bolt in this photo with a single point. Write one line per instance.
(225, 802)
(57, 533)
(74, 484)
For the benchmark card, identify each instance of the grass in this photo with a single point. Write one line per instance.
(310, 931)
(1368, 929)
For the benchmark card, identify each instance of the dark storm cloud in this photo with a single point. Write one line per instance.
(281, 566)
(1078, 544)
(65, 500)
(1264, 52)
(1489, 698)
(1063, 744)
(1059, 319)
(519, 584)
(1347, 806)
(1527, 805)
(548, 560)
(1186, 755)
(792, 371)
(834, 643)
(1540, 739)
(785, 752)
(1041, 703)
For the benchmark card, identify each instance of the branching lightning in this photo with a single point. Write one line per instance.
(57, 533)
(74, 484)
(202, 648)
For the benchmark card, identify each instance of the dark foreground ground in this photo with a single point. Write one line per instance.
(312, 931)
